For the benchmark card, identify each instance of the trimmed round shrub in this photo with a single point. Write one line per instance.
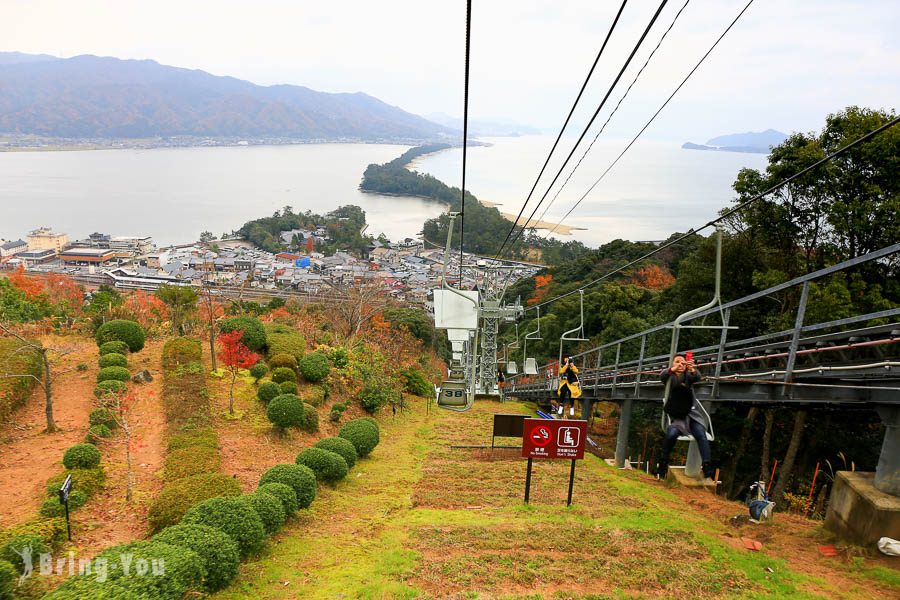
(328, 466)
(97, 433)
(14, 546)
(268, 391)
(8, 577)
(340, 446)
(282, 374)
(86, 480)
(205, 437)
(283, 359)
(193, 460)
(417, 383)
(269, 509)
(82, 456)
(113, 374)
(218, 552)
(310, 418)
(114, 347)
(233, 517)
(285, 411)
(288, 387)
(113, 359)
(314, 367)
(362, 435)
(182, 569)
(122, 331)
(254, 334)
(181, 351)
(285, 495)
(102, 416)
(371, 421)
(108, 388)
(287, 341)
(52, 508)
(299, 478)
(177, 497)
(259, 370)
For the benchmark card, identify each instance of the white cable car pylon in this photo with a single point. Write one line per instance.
(458, 394)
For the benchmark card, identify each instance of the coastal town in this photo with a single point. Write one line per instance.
(406, 270)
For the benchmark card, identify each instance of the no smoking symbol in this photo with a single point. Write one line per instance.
(540, 436)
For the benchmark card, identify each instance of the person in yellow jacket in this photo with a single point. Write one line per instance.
(569, 386)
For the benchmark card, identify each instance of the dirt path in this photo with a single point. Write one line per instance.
(107, 519)
(28, 456)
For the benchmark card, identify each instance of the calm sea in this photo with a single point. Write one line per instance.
(174, 194)
(656, 189)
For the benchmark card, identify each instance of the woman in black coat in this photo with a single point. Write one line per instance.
(686, 417)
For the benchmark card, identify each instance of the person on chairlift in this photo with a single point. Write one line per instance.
(569, 388)
(684, 414)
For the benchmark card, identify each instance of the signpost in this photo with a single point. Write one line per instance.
(64, 492)
(553, 439)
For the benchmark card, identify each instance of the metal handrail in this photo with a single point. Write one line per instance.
(809, 277)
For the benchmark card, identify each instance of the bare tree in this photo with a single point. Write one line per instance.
(731, 471)
(359, 303)
(120, 406)
(790, 456)
(767, 446)
(209, 308)
(50, 356)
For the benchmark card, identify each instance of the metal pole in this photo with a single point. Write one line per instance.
(726, 318)
(528, 481)
(571, 482)
(795, 339)
(68, 524)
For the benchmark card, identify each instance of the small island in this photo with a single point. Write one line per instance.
(753, 142)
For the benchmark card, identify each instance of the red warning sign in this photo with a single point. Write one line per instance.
(554, 438)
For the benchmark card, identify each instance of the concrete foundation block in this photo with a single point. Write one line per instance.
(859, 512)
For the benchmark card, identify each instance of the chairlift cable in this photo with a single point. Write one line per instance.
(653, 118)
(462, 201)
(594, 116)
(565, 124)
(862, 139)
(614, 110)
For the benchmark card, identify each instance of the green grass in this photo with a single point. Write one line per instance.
(421, 520)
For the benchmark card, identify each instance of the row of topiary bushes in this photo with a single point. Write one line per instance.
(191, 469)
(47, 533)
(115, 339)
(202, 552)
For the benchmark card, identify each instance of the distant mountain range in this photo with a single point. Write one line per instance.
(484, 128)
(756, 142)
(99, 97)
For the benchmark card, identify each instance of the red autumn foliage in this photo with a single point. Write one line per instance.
(652, 277)
(541, 287)
(32, 287)
(233, 353)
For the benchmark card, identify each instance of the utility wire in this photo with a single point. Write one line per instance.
(462, 201)
(596, 112)
(609, 118)
(653, 118)
(729, 212)
(568, 118)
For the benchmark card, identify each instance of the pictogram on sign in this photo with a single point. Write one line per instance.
(568, 437)
(540, 436)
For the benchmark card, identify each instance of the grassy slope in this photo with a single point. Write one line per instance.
(421, 520)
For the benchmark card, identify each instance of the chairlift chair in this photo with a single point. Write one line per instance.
(454, 394)
(665, 420)
(512, 368)
(531, 363)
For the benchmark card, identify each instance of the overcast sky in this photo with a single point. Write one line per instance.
(785, 65)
